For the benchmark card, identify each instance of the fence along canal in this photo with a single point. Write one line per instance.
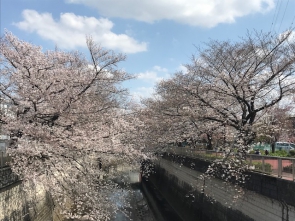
(282, 167)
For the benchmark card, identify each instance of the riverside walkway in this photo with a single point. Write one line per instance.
(282, 167)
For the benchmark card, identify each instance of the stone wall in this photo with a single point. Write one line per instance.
(42, 208)
(211, 199)
(14, 201)
(13, 204)
(7, 177)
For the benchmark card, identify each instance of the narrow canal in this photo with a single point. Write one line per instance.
(145, 203)
(137, 209)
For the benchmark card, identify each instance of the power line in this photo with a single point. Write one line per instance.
(275, 12)
(283, 16)
(292, 22)
(278, 6)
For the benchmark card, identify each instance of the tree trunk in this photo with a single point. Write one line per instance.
(273, 144)
(209, 142)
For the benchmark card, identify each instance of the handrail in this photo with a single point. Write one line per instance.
(282, 167)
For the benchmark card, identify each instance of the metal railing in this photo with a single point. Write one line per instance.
(282, 167)
(199, 153)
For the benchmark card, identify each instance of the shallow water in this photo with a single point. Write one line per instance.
(137, 210)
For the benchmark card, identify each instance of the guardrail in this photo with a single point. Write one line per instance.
(282, 167)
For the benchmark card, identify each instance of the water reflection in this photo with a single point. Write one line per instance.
(133, 206)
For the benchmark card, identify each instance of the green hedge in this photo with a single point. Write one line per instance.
(258, 166)
(279, 153)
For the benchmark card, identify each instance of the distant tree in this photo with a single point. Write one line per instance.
(228, 84)
(236, 81)
(166, 118)
(275, 125)
(66, 115)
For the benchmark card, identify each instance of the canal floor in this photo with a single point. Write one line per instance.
(137, 209)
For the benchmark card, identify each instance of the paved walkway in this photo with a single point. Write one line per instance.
(273, 161)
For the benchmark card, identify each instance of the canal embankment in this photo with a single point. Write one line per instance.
(199, 198)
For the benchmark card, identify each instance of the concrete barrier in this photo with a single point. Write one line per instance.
(197, 199)
(14, 201)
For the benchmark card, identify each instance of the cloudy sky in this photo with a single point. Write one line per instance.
(158, 36)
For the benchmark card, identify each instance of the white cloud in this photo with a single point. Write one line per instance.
(158, 68)
(291, 34)
(155, 75)
(71, 30)
(182, 69)
(149, 76)
(142, 92)
(147, 81)
(206, 13)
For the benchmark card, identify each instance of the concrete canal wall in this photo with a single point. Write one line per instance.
(14, 200)
(193, 198)
(14, 204)
(7, 177)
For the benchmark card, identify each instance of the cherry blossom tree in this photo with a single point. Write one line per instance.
(227, 85)
(66, 122)
(275, 125)
(173, 117)
(166, 121)
(236, 81)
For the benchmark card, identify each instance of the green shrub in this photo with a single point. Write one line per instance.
(288, 169)
(258, 166)
(279, 153)
(292, 153)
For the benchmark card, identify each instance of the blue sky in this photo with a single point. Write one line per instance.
(158, 36)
